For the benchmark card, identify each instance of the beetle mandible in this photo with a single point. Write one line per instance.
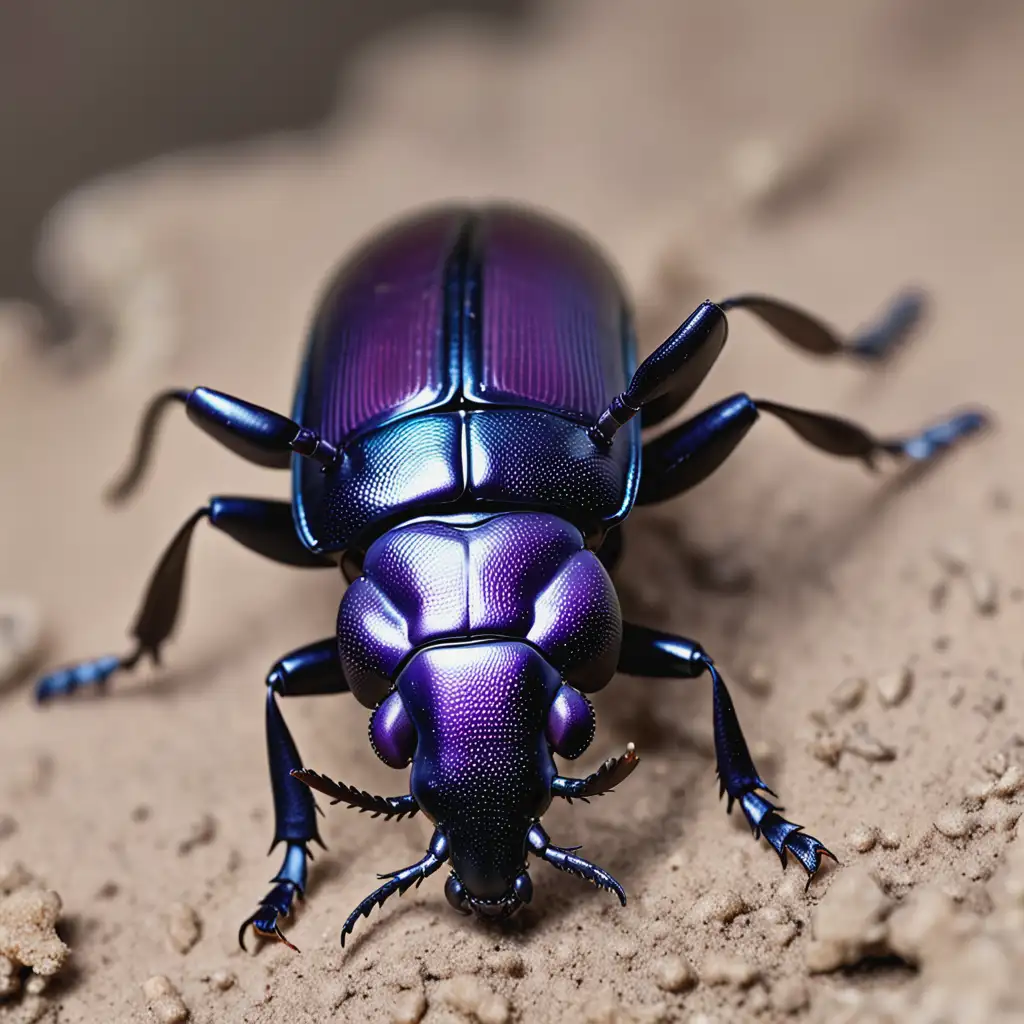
(465, 443)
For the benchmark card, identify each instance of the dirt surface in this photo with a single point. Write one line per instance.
(827, 157)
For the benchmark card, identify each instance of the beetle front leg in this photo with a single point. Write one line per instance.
(647, 652)
(310, 670)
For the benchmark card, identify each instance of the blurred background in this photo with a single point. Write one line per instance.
(178, 179)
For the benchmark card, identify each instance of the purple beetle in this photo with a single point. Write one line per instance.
(465, 445)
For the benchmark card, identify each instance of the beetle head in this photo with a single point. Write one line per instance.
(482, 768)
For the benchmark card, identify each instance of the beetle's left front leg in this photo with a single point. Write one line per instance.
(310, 670)
(647, 652)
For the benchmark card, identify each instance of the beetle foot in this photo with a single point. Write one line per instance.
(939, 436)
(289, 883)
(276, 904)
(784, 836)
(878, 341)
(93, 673)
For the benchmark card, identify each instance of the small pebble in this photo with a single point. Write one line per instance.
(165, 1002)
(955, 693)
(674, 974)
(724, 906)
(790, 995)
(469, 995)
(984, 592)
(862, 743)
(849, 693)
(183, 927)
(863, 838)
(28, 930)
(409, 1007)
(36, 984)
(827, 747)
(758, 680)
(222, 980)
(1010, 782)
(8, 826)
(726, 970)
(954, 823)
(889, 840)
(894, 687)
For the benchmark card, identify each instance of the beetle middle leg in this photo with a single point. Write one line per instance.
(648, 652)
(685, 456)
(315, 669)
(261, 525)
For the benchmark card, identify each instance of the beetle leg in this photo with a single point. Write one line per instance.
(314, 669)
(686, 455)
(647, 652)
(668, 378)
(565, 859)
(259, 524)
(400, 882)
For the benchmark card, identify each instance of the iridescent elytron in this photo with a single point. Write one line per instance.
(457, 449)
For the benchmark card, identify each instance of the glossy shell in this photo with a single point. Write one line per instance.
(521, 575)
(458, 359)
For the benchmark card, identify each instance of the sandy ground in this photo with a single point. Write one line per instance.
(828, 158)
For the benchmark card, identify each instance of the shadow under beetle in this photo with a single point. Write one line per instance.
(465, 443)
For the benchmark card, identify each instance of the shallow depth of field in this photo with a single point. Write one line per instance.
(176, 191)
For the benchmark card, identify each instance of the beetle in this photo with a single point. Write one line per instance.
(465, 443)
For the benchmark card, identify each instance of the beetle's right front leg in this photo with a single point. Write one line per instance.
(315, 669)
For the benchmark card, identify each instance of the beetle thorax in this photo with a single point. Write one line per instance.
(519, 575)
